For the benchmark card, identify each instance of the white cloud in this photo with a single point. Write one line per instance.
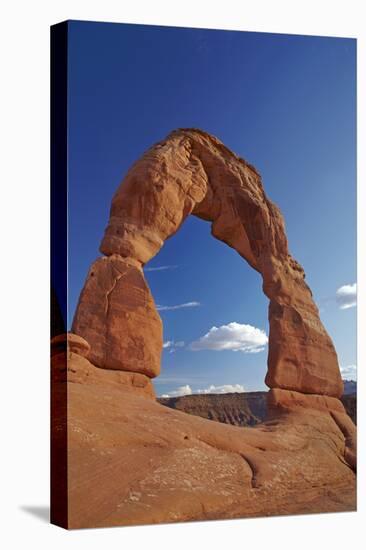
(160, 268)
(187, 390)
(179, 306)
(349, 372)
(172, 346)
(182, 390)
(225, 388)
(346, 296)
(234, 336)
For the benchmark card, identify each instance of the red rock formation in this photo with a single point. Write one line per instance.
(192, 172)
(131, 460)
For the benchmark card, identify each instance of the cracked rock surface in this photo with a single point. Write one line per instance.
(116, 312)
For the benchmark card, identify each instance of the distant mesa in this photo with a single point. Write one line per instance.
(237, 409)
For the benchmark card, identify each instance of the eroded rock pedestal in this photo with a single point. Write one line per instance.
(131, 460)
(117, 314)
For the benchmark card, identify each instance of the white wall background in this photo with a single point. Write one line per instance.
(24, 218)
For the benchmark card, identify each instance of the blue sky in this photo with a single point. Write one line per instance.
(287, 104)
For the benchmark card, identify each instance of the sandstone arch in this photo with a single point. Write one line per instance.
(192, 172)
(130, 460)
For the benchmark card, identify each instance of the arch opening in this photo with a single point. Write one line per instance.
(214, 314)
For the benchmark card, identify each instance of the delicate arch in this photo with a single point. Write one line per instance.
(192, 172)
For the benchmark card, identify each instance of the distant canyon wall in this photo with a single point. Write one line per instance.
(238, 409)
